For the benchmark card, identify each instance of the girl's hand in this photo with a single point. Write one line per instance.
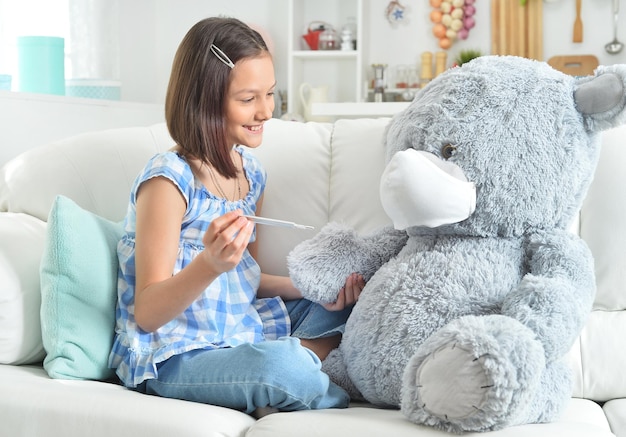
(226, 240)
(349, 294)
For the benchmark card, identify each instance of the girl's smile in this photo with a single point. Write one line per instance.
(250, 100)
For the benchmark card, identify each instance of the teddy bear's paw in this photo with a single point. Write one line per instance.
(476, 374)
(319, 267)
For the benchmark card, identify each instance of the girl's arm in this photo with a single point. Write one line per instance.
(159, 296)
(272, 285)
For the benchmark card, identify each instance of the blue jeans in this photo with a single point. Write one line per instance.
(280, 374)
(311, 320)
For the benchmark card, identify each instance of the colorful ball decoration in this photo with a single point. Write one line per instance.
(452, 20)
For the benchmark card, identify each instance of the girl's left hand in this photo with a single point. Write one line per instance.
(349, 294)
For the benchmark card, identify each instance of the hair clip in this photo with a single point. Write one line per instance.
(222, 56)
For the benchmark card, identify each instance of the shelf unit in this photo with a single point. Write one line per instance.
(341, 70)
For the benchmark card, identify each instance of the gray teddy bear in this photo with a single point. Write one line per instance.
(478, 291)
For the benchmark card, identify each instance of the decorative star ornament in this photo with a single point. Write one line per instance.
(396, 13)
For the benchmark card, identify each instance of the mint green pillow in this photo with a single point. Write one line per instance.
(78, 292)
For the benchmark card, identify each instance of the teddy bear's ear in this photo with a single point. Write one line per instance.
(601, 99)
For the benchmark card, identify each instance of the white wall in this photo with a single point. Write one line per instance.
(152, 30)
(407, 42)
(597, 19)
(30, 120)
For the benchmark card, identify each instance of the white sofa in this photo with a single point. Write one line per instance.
(318, 172)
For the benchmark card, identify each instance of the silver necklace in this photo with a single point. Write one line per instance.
(220, 190)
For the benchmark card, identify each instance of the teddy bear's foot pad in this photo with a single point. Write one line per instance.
(452, 384)
(475, 374)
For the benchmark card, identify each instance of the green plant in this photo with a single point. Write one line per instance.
(467, 55)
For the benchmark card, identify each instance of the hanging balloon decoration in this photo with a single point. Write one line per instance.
(452, 20)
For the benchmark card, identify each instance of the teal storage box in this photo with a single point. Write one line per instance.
(41, 64)
(5, 82)
(93, 88)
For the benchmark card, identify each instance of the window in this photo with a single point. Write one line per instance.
(29, 17)
(90, 29)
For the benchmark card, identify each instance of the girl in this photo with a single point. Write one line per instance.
(196, 319)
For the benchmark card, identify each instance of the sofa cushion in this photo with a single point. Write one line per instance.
(582, 418)
(358, 160)
(95, 169)
(21, 242)
(297, 159)
(602, 221)
(32, 404)
(78, 291)
(602, 357)
(615, 411)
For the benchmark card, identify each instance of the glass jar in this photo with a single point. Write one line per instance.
(401, 78)
(328, 40)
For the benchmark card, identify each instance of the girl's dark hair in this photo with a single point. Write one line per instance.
(196, 93)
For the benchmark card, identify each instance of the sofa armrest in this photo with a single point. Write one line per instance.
(22, 238)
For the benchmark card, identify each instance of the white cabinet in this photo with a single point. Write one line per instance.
(342, 71)
(345, 73)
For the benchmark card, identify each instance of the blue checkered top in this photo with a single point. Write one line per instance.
(226, 314)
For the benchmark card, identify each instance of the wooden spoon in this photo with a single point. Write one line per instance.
(578, 24)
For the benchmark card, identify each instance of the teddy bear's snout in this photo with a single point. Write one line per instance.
(419, 189)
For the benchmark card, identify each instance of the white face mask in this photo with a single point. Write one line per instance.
(419, 189)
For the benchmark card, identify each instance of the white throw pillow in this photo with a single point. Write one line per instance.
(22, 239)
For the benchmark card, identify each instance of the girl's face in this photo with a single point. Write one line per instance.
(250, 100)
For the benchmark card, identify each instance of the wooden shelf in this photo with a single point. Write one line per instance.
(325, 54)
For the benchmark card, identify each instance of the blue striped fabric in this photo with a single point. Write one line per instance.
(226, 314)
